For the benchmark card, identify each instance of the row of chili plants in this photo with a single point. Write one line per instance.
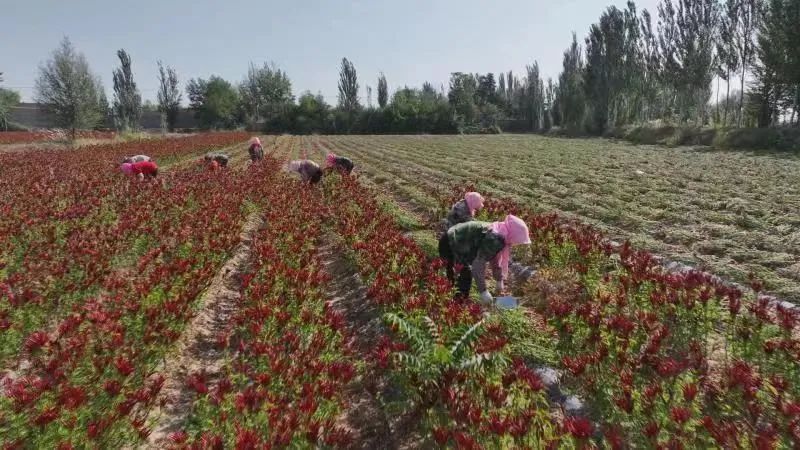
(666, 358)
(287, 349)
(66, 218)
(96, 296)
(452, 362)
(21, 137)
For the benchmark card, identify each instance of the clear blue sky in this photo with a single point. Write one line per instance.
(411, 41)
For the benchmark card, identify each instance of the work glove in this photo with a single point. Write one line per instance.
(486, 298)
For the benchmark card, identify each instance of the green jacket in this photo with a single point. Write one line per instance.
(475, 245)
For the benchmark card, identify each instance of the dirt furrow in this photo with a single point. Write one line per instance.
(364, 417)
(196, 350)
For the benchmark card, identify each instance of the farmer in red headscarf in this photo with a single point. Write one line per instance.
(341, 163)
(474, 244)
(463, 210)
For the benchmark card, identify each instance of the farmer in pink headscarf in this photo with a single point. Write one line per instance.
(463, 210)
(473, 244)
(255, 150)
(336, 162)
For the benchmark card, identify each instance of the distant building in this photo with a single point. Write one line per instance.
(31, 115)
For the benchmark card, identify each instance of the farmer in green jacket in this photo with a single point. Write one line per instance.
(475, 244)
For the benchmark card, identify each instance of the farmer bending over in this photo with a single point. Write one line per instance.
(473, 244)
(309, 170)
(463, 210)
(339, 163)
(255, 150)
(141, 170)
(136, 159)
(219, 158)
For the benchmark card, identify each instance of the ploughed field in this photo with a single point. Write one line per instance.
(240, 308)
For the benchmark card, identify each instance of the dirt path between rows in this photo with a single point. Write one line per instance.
(364, 417)
(369, 424)
(196, 349)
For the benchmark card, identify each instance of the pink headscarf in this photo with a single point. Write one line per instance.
(127, 168)
(474, 201)
(330, 160)
(514, 232)
(255, 140)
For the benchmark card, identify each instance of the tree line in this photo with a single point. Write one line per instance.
(631, 68)
(636, 69)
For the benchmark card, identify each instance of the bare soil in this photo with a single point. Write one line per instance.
(196, 350)
(369, 424)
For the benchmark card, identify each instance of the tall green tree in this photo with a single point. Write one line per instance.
(510, 87)
(771, 92)
(605, 66)
(312, 114)
(383, 91)
(429, 92)
(67, 88)
(727, 54)
(748, 15)
(629, 103)
(686, 42)
(532, 100)
(487, 89)
(791, 37)
(417, 110)
(570, 87)
(614, 68)
(501, 89)
(650, 80)
(348, 87)
(461, 97)
(215, 102)
(266, 92)
(169, 96)
(127, 107)
(552, 115)
(8, 99)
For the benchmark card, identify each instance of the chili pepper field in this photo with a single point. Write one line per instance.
(240, 308)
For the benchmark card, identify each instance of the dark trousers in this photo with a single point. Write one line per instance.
(464, 276)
